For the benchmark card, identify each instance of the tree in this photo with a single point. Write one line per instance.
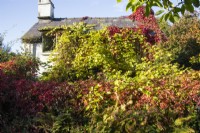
(1, 40)
(169, 11)
(4, 47)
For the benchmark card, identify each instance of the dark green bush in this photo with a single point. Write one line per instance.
(184, 41)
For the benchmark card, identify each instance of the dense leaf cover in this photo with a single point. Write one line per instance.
(83, 52)
(111, 80)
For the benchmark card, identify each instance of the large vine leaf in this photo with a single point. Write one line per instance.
(168, 6)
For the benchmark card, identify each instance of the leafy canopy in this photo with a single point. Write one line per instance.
(169, 11)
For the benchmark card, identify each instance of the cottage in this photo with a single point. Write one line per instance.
(34, 40)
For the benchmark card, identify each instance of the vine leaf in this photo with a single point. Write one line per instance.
(118, 1)
(159, 12)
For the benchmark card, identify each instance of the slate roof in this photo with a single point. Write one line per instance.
(34, 35)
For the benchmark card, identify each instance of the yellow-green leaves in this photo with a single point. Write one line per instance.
(169, 10)
(160, 12)
(82, 52)
(134, 4)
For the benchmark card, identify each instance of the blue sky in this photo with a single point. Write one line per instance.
(19, 15)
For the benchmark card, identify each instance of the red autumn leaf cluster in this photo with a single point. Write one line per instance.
(148, 26)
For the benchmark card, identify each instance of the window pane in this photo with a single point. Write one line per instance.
(48, 43)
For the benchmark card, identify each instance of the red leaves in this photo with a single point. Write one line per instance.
(179, 96)
(20, 67)
(28, 97)
(150, 33)
(113, 30)
(149, 25)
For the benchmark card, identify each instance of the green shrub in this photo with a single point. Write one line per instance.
(184, 41)
(82, 52)
(152, 101)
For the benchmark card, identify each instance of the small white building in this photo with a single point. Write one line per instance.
(35, 40)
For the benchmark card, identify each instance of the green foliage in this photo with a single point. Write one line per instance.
(168, 10)
(150, 102)
(121, 83)
(116, 53)
(21, 65)
(5, 55)
(180, 121)
(138, 87)
(181, 125)
(157, 67)
(195, 59)
(165, 27)
(67, 123)
(184, 41)
(66, 48)
(62, 123)
(4, 47)
(82, 52)
(184, 130)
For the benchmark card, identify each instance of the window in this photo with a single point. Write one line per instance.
(48, 43)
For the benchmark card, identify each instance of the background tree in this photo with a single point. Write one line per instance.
(1, 40)
(5, 50)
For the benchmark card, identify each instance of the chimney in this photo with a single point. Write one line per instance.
(45, 10)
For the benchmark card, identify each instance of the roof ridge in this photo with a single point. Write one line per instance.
(100, 22)
(88, 17)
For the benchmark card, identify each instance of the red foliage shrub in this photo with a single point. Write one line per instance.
(21, 67)
(113, 30)
(20, 95)
(167, 98)
(11, 73)
(180, 96)
(149, 34)
(148, 24)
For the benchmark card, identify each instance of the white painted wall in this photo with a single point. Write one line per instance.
(37, 51)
